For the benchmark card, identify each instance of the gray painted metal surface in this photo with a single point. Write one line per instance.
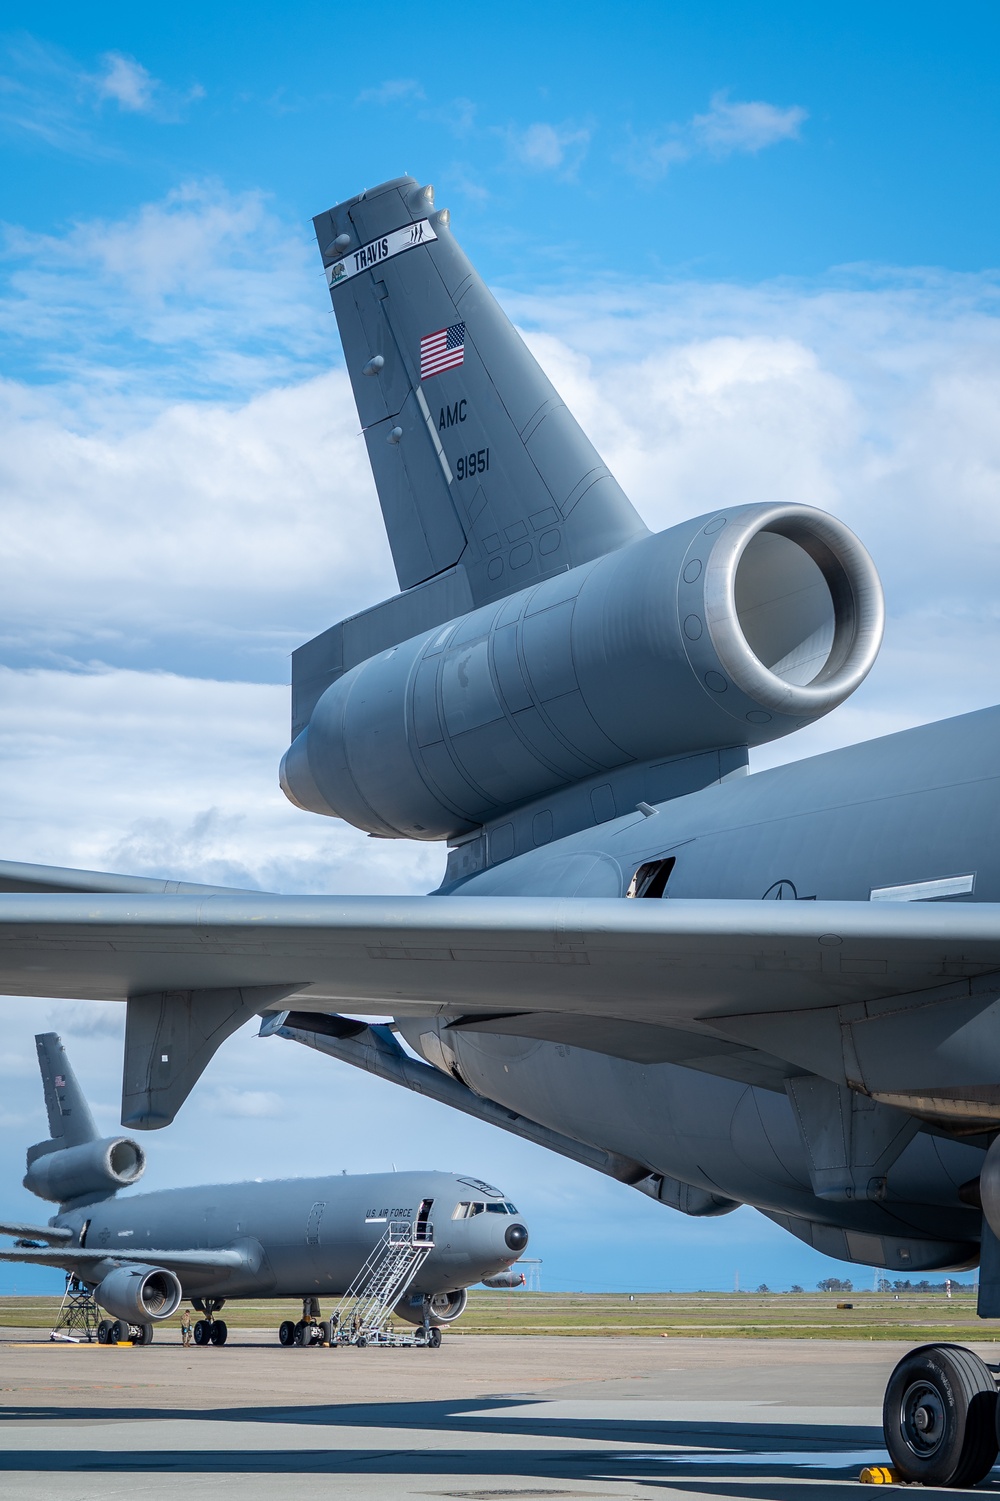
(297, 1237)
(780, 989)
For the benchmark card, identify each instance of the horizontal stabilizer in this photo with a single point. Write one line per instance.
(477, 460)
(52, 1233)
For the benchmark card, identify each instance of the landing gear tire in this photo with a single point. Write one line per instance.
(940, 1417)
(104, 1329)
(286, 1332)
(324, 1332)
(120, 1334)
(202, 1332)
(144, 1334)
(434, 1339)
(219, 1331)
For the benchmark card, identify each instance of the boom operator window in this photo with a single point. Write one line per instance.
(651, 879)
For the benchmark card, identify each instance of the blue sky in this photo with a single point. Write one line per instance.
(582, 137)
(755, 247)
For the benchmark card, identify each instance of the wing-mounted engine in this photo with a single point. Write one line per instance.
(643, 674)
(139, 1293)
(444, 1308)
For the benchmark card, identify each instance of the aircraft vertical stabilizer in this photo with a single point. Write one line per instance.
(477, 460)
(70, 1121)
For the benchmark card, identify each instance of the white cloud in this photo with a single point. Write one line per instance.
(750, 125)
(51, 96)
(163, 775)
(393, 91)
(212, 536)
(729, 126)
(543, 147)
(127, 82)
(204, 291)
(249, 1104)
(140, 510)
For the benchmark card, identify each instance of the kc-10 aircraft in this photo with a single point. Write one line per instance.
(780, 990)
(306, 1238)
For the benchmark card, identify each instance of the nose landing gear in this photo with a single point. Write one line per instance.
(310, 1329)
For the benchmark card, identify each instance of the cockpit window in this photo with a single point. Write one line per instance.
(510, 1208)
(466, 1210)
(496, 1208)
(476, 1209)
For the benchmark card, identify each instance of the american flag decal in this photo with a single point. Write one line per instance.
(60, 1082)
(443, 350)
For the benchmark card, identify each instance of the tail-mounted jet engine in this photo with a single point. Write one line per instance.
(727, 631)
(94, 1169)
(138, 1293)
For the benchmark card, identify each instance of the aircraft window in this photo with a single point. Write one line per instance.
(496, 1208)
(477, 1209)
(651, 879)
(461, 1211)
(510, 1208)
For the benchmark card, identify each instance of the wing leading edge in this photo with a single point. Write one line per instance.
(863, 993)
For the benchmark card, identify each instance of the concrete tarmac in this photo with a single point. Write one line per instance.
(483, 1417)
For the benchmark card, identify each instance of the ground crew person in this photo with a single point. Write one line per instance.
(186, 1327)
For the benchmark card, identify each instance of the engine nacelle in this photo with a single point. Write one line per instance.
(730, 630)
(94, 1169)
(445, 1307)
(139, 1293)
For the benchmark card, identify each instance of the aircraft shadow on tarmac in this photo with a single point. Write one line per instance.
(769, 1447)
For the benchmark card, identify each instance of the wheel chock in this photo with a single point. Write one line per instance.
(878, 1475)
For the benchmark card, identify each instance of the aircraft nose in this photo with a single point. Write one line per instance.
(516, 1237)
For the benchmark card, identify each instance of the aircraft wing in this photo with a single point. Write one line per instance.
(73, 1259)
(784, 977)
(650, 961)
(17, 875)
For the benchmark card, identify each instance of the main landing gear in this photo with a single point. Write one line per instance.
(310, 1328)
(940, 1417)
(210, 1330)
(121, 1332)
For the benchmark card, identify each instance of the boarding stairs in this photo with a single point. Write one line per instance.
(362, 1315)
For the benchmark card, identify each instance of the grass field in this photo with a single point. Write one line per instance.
(913, 1316)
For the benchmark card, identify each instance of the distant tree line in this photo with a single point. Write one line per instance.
(845, 1285)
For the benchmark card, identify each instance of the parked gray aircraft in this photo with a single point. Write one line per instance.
(297, 1238)
(779, 990)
